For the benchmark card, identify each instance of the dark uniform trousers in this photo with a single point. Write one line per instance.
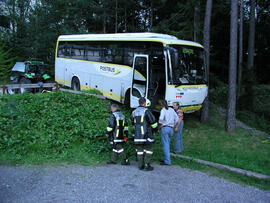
(144, 154)
(144, 122)
(117, 130)
(118, 151)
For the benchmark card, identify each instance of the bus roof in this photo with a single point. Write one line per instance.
(143, 36)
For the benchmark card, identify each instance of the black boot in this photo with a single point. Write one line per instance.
(125, 162)
(111, 162)
(148, 167)
(141, 167)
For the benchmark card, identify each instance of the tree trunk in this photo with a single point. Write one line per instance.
(133, 21)
(196, 22)
(250, 64)
(13, 17)
(116, 15)
(230, 118)
(151, 14)
(104, 21)
(251, 40)
(125, 19)
(206, 44)
(240, 61)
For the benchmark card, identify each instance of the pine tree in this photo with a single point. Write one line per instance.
(231, 106)
(206, 44)
(6, 61)
(240, 60)
(251, 40)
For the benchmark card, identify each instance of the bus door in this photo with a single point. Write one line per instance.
(140, 79)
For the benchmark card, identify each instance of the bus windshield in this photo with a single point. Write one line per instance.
(187, 65)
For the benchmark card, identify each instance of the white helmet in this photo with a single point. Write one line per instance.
(148, 102)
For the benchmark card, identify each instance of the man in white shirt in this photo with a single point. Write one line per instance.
(168, 119)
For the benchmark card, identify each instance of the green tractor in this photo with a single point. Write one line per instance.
(29, 72)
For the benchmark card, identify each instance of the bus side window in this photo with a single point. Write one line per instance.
(93, 55)
(77, 54)
(67, 52)
(61, 52)
(93, 51)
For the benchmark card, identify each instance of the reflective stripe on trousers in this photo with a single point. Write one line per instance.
(118, 140)
(118, 151)
(148, 152)
(139, 140)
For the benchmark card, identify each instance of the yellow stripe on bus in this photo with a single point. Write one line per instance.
(84, 87)
(191, 108)
(62, 81)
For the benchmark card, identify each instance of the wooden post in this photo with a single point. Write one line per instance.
(4, 89)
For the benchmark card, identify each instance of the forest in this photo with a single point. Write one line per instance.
(235, 35)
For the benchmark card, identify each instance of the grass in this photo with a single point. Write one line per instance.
(236, 178)
(257, 116)
(63, 127)
(210, 142)
(253, 120)
(240, 149)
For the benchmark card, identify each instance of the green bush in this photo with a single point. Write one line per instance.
(52, 123)
(261, 104)
(219, 95)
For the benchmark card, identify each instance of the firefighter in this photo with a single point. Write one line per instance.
(117, 132)
(144, 121)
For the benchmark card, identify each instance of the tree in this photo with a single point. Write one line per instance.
(196, 22)
(206, 44)
(116, 16)
(251, 40)
(262, 40)
(231, 104)
(4, 21)
(6, 61)
(250, 63)
(240, 60)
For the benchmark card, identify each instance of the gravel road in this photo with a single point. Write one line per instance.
(116, 183)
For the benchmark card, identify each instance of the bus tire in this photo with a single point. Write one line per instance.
(75, 84)
(127, 99)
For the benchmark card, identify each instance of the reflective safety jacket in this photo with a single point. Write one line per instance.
(117, 128)
(144, 121)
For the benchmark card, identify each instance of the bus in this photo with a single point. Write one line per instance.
(127, 66)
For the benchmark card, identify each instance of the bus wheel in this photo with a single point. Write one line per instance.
(127, 99)
(75, 85)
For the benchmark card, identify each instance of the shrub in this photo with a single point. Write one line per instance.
(51, 123)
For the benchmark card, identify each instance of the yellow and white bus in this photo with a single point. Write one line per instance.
(124, 67)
